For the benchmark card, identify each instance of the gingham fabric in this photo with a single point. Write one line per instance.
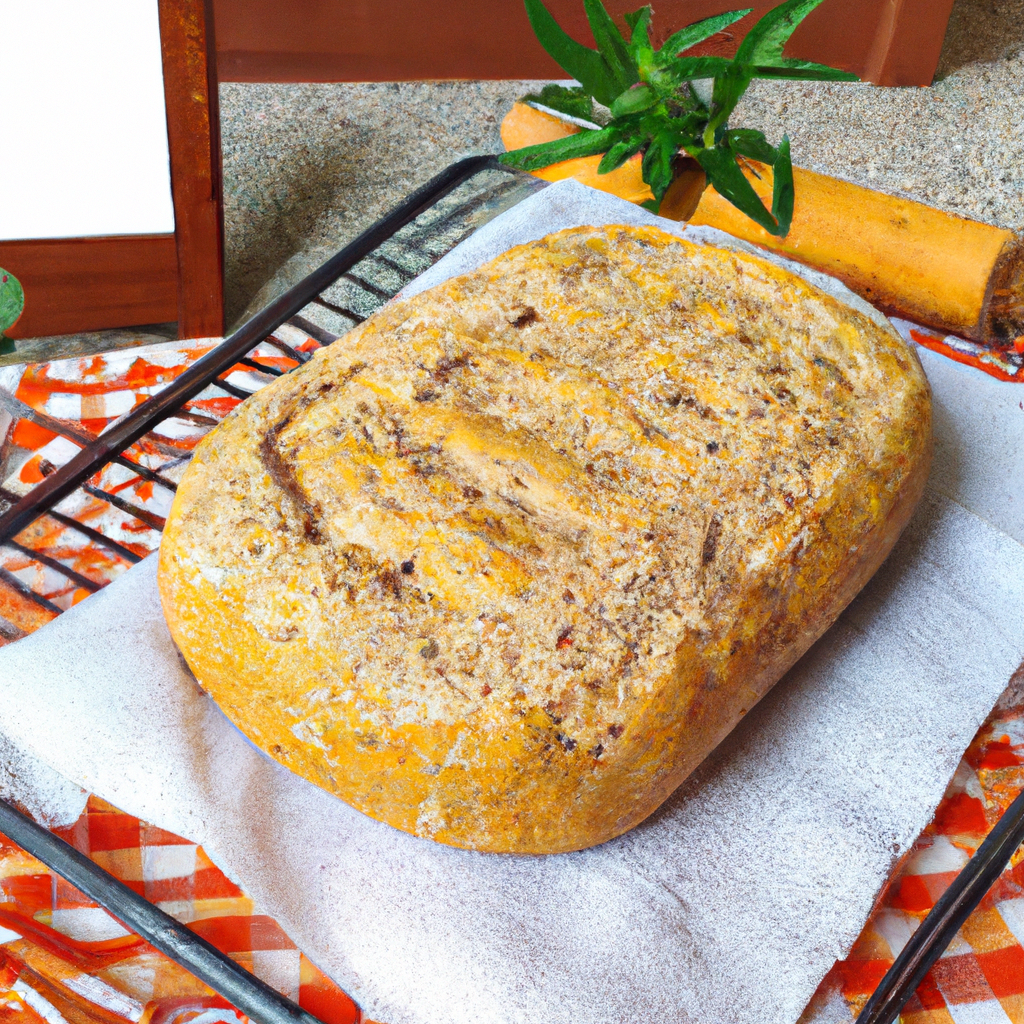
(50, 410)
(64, 960)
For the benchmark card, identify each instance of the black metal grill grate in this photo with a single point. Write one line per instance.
(110, 491)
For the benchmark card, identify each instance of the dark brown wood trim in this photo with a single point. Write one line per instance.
(193, 132)
(86, 284)
(885, 41)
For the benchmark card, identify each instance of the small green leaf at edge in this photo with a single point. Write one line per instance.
(686, 69)
(783, 191)
(583, 143)
(697, 33)
(640, 46)
(764, 43)
(641, 16)
(12, 300)
(639, 23)
(587, 66)
(730, 182)
(6, 345)
(611, 46)
(728, 90)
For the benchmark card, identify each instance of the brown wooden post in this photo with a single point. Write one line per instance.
(193, 134)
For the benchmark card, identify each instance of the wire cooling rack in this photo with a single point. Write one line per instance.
(131, 468)
(152, 444)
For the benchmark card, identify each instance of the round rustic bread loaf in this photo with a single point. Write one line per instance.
(504, 564)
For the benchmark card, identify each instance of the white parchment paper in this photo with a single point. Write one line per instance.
(729, 904)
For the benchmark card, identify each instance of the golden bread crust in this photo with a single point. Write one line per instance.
(504, 564)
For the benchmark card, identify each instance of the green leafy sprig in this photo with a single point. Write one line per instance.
(661, 107)
(12, 302)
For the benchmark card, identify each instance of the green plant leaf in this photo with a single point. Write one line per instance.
(620, 153)
(697, 33)
(783, 192)
(686, 69)
(6, 345)
(724, 173)
(751, 143)
(805, 70)
(657, 164)
(662, 103)
(584, 143)
(571, 100)
(611, 45)
(642, 18)
(640, 47)
(635, 100)
(687, 129)
(587, 66)
(12, 300)
(729, 87)
(764, 43)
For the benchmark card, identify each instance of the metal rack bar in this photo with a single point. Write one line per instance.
(27, 592)
(9, 631)
(286, 349)
(231, 389)
(315, 331)
(378, 293)
(392, 265)
(273, 371)
(94, 535)
(145, 473)
(16, 407)
(243, 990)
(43, 559)
(340, 310)
(200, 419)
(151, 519)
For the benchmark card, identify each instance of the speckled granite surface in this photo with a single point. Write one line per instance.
(307, 167)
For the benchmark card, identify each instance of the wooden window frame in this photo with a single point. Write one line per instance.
(86, 284)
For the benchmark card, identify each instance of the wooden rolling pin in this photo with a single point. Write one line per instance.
(943, 271)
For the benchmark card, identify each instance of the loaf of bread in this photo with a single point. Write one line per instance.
(504, 564)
